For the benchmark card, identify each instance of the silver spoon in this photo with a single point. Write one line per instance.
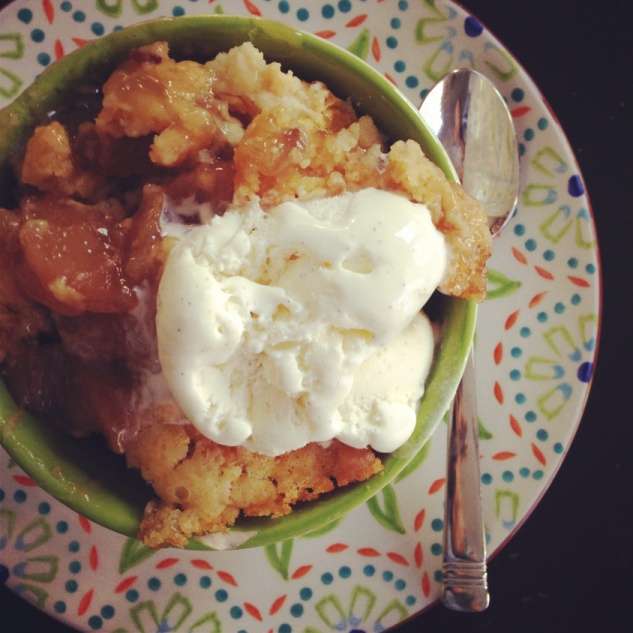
(473, 123)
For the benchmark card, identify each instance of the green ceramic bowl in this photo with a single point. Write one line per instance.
(83, 474)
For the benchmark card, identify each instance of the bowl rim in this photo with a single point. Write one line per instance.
(85, 489)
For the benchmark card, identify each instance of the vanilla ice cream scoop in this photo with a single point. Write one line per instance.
(303, 323)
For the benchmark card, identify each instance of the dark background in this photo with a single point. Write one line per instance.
(569, 567)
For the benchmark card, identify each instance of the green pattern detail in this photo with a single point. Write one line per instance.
(362, 603)
(208, 623)
(420, 28)
(144, 8)
(549, 162)
(7, 523)
(115, 9)
(423, 37)
(552, 402)
(147, 619)
(35, 595)
(145, 613)
(483, 432)
(541, 368)
(360, 46)
(34, 569)
(14, 86)
(334, 615)
(502, 498)
(561, 341)
(509, 68)
(41, 568)
(330, 610)
(389, 515)
(583, 222)
(11, 47)
(17, 49)
(36, 533)
(538, 195)
(420, 31)
(133, 554)
(280, 559)
(435, 74)
(499, 285)
(396, 608)
(557, 225)
(588, 326)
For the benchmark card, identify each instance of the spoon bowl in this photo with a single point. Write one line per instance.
(472, 121)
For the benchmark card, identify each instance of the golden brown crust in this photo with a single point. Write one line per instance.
(224, 132)
(49, 166)
(203, 487)
(458, 215)
(152, 94)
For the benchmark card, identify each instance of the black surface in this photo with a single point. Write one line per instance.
(568, 569)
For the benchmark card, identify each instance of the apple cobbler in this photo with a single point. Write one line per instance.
(83, 251)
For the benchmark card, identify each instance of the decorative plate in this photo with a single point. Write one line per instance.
(535, 348)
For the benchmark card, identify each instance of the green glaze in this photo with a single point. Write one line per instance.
(83, 474)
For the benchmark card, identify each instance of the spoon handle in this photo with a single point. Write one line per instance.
(464, 572)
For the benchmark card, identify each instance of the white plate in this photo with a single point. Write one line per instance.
(536, 341)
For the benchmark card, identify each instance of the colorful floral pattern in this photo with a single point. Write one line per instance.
(535, 348)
